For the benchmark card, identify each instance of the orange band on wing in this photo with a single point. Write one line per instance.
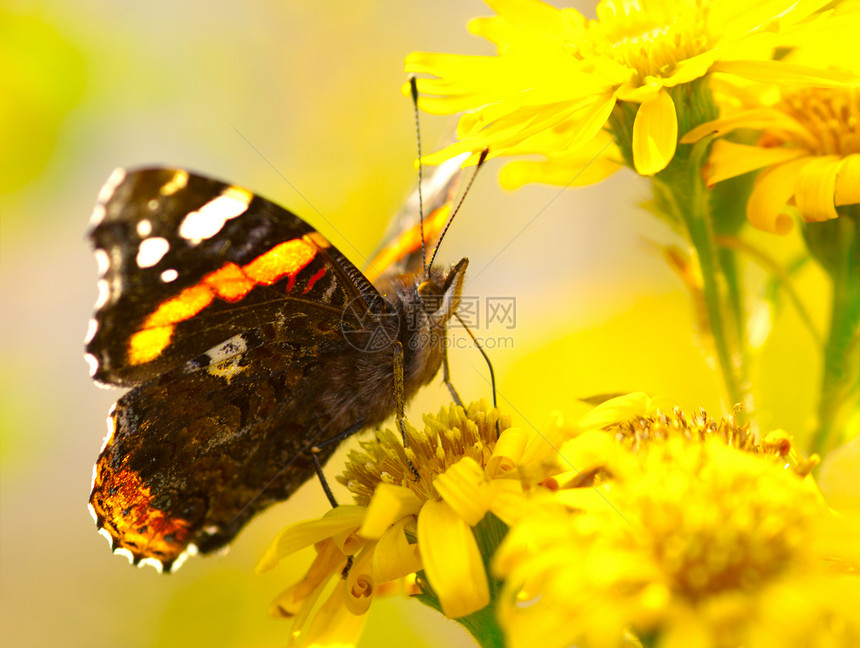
(407, 242)
(231, 283)
(287, 258)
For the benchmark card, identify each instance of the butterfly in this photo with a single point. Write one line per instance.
(247, 341)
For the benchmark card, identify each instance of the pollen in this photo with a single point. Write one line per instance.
(448, 437)
(650, 41)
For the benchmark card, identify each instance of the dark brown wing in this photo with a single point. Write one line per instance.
(193, 455)
(225, 312)
(188, 262)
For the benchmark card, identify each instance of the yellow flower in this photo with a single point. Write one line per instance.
(808, 155)
(558, 77)
(693, 534)
(468, 463)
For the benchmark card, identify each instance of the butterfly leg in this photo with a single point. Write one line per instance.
(446, 378)
(315, 450)
(400, 411)
(323, 481)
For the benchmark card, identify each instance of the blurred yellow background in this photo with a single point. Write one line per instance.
(251, 92)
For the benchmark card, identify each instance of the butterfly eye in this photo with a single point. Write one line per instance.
(431, 294)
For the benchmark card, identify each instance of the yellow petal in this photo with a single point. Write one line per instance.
(557, 172)
(289, 603)
(788, 73)
(773, 188)
(466, 490)
(758, 119)
(452, 560)
(333, 626)
(589, 498)
(525, 23)
(847, 190)
(616, 410)
(509, 501)
(815, 188)
(655, 134)
(543, 446)
(508, 451)
(586, 452)
(690, 69)
(360, 585)
(394, 557)
(303, 534)
(389, 504)
(728, 159)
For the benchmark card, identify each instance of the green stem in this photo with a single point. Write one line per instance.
(836, 244)
(682, 199)
(781, 280)
(688, 197)
(482, 625)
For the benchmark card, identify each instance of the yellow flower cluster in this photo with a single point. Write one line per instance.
(591, 95)
(402, 524)
(688, 530)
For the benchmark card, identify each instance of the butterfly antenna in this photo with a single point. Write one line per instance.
(481, 161)
(413, 85)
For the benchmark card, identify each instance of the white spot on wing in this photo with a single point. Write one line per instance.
(105, 193)
(98, 215)
(102, 261)
(152, 562)
(190, 550)
(207, 221)
(224, 359)
(169, 275)
(113, 181)
(95, 517)
(102, 299)
(122, 551)
(144, 228)
(115, 286)
(92, 327)
(102, 531)
(151, 250)
(92, 362)
(111, 428)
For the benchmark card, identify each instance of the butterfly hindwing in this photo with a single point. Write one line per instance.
(193, 455)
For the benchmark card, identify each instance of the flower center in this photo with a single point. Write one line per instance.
(650, 41)
(830, 117)
(446, 438)
(718, 548)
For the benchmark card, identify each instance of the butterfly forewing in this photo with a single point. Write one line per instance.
(188, 262)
